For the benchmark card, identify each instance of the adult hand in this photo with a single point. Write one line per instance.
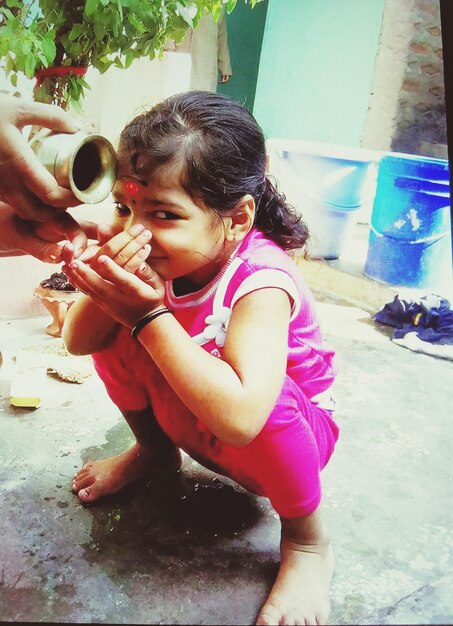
(25, 184)
(45, 241)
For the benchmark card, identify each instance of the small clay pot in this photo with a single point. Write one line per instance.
(57, 301)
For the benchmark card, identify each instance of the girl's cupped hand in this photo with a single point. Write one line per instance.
(118, 280)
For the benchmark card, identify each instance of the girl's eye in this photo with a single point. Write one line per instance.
(165, 215)
(122, 210)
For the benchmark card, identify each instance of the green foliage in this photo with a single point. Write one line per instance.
(36, 34)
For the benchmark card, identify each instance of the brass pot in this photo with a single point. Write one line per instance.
(84, 163)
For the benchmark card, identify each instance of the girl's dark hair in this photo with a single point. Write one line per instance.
(222, 153)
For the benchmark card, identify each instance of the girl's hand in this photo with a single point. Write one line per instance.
(91, 322)
(128, 248)
(123, 295)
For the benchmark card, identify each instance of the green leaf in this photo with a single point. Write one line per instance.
(120, 10)
(83, 82)
(230, 5)
(49, 49)
(26, 47)
(50, 34)
(148, 48)
(216, 12)
(41, 94)
(99, 31)
(178, 35)
(74, 87)
(116, 29)
(75, 50)
(14, 25)
(14, 80)
(129, 58)
(29, 66)
(91, 6)
(75, 32)
(136, 23)
(42, 58)
(9, 65)
(103, 64)
(7, 13)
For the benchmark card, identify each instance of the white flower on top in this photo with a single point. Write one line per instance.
(217, 326)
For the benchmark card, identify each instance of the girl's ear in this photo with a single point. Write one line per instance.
(240, 222)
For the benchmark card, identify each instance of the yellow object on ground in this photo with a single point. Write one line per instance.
(27, 387)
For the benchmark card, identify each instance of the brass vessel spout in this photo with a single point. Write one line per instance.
(84, 163)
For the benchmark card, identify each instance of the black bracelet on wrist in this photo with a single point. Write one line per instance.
(146, 319)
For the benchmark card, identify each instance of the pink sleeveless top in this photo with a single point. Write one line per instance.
(256, 264)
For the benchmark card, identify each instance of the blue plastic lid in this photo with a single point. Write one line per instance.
(413, 166)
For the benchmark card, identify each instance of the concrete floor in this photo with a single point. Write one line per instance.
(196, 549)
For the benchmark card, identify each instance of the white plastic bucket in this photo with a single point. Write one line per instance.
(328, 184)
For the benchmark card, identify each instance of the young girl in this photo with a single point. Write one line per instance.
(226, 359)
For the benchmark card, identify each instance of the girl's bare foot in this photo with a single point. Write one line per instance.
(300, 594)
(107, 476)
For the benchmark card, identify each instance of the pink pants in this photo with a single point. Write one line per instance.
(282, 463)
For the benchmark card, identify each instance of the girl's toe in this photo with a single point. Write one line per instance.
(91, 493)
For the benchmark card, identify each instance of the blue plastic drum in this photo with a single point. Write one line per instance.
(410, 229)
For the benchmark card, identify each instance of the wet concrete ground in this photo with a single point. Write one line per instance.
(196, 549)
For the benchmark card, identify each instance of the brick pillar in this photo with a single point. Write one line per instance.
(407, 104)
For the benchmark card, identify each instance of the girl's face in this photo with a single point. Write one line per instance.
(188, 240)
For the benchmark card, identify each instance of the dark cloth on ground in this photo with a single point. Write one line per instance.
(430, 318)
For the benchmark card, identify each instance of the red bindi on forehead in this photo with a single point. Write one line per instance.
(131, 187)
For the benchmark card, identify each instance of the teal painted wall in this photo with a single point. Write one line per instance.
(245, 28)
(316, 69)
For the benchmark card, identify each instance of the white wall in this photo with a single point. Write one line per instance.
(118, 95)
